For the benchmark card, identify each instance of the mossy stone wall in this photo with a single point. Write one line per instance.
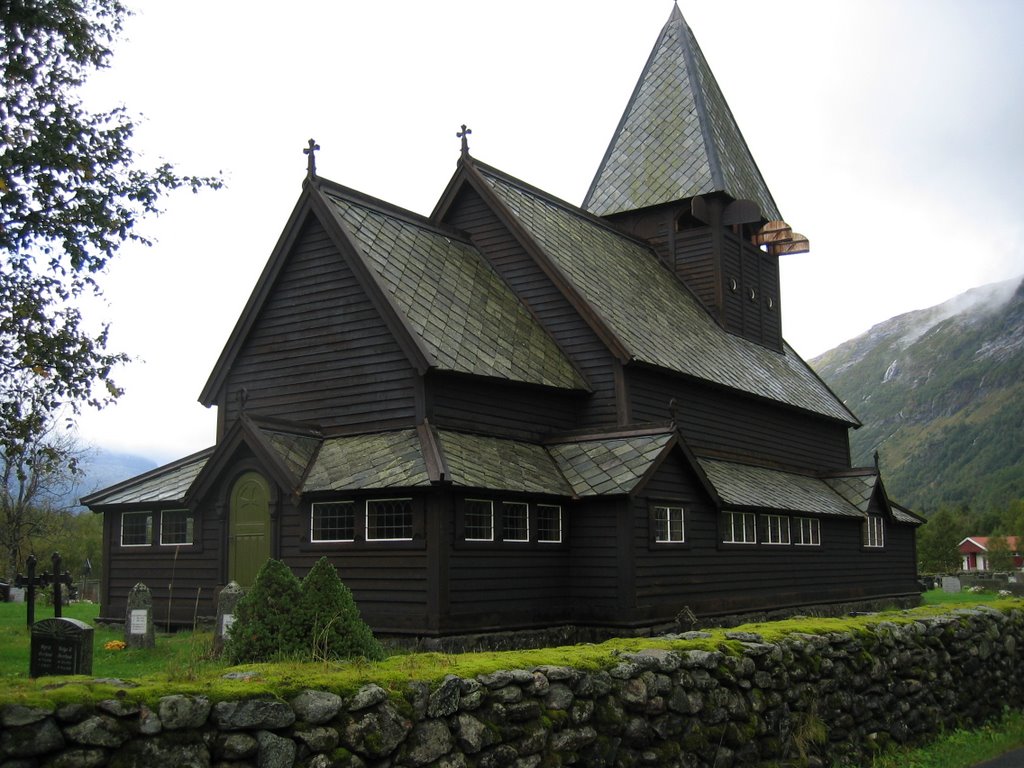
(807, 699)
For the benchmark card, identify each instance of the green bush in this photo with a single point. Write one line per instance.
(265, 626)
(279, 618)
(329, 611)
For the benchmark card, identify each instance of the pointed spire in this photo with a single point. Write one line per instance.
(677, 137)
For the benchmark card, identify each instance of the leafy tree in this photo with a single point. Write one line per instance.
(36, 477)
(71, 194)
(937, 542)
(999, 556)
(328, 612)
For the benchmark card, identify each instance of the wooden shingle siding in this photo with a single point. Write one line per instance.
(320, 351)
(475, 405)
(544, 300)
(719, 421)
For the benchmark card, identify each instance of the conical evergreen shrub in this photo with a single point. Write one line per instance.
(266, 625)
(329, 613)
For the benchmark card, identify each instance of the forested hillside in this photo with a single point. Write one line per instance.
(941, 394)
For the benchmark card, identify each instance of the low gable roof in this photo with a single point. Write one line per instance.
(610, 465)
(169, 483)
(650, 313)
(746, 486)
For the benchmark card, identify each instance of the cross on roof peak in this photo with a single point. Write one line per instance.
(311, 162)
(463, 134)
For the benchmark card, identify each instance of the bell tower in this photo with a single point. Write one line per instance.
(679, 174)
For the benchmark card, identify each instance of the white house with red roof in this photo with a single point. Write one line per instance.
(976, 555)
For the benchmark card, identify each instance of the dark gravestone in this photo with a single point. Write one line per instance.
(60, 647)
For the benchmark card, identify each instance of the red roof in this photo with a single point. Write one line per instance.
(980, 544)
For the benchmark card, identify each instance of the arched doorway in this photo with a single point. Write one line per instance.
(248, 528)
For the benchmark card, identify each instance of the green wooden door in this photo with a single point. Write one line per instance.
(248, 528)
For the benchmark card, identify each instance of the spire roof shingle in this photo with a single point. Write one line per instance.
(677, 137)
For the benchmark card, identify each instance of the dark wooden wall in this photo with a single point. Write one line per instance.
(189, 575)
(718, 420)
(712, 578)
(544, 300)
(500, 408)
(320, 351)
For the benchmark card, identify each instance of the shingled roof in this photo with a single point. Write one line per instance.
(748, 486)
(677, 137)
(652, 314)
(467, 319)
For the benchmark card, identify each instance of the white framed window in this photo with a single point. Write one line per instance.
(739, 528)
(808, 531)
(332, 521)
(478, 522)
(776, 529)
(389, 520)
(515, 521)
(549, 523)
(176, 527)
(136, 529)
(874, 532)
(668, 525)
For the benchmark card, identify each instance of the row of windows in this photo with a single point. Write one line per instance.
(176, 528)
(486, 520)
(741, 528)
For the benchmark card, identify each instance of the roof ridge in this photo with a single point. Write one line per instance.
(378, 205)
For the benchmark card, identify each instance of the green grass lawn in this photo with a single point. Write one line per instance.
(177, 656)
(938, 597)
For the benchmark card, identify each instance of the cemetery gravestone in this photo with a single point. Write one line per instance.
(138, 621)
(950, 584)
(60, 647)
(226, 602)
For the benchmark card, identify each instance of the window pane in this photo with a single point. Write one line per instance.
(515, 521)
(388, 519)
(175, 527)
(479, 523)
(668, 524)
(778, 529)
(136, 529)
(333, 521)
(549, 523)
(740, 528)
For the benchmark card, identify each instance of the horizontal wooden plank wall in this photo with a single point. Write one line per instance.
(714, 420)
(500, 408)
(598, 580)
(388, 579)
(320, 351)
(190, 575)
(546, 302)
(711, 578)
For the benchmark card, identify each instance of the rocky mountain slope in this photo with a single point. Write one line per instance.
(941, 394)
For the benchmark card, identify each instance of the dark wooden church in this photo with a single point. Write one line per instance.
(516, 412)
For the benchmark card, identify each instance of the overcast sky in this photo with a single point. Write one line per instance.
(890, 133)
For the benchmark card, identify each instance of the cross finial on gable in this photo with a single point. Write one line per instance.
(462, 135)
(311, 162)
